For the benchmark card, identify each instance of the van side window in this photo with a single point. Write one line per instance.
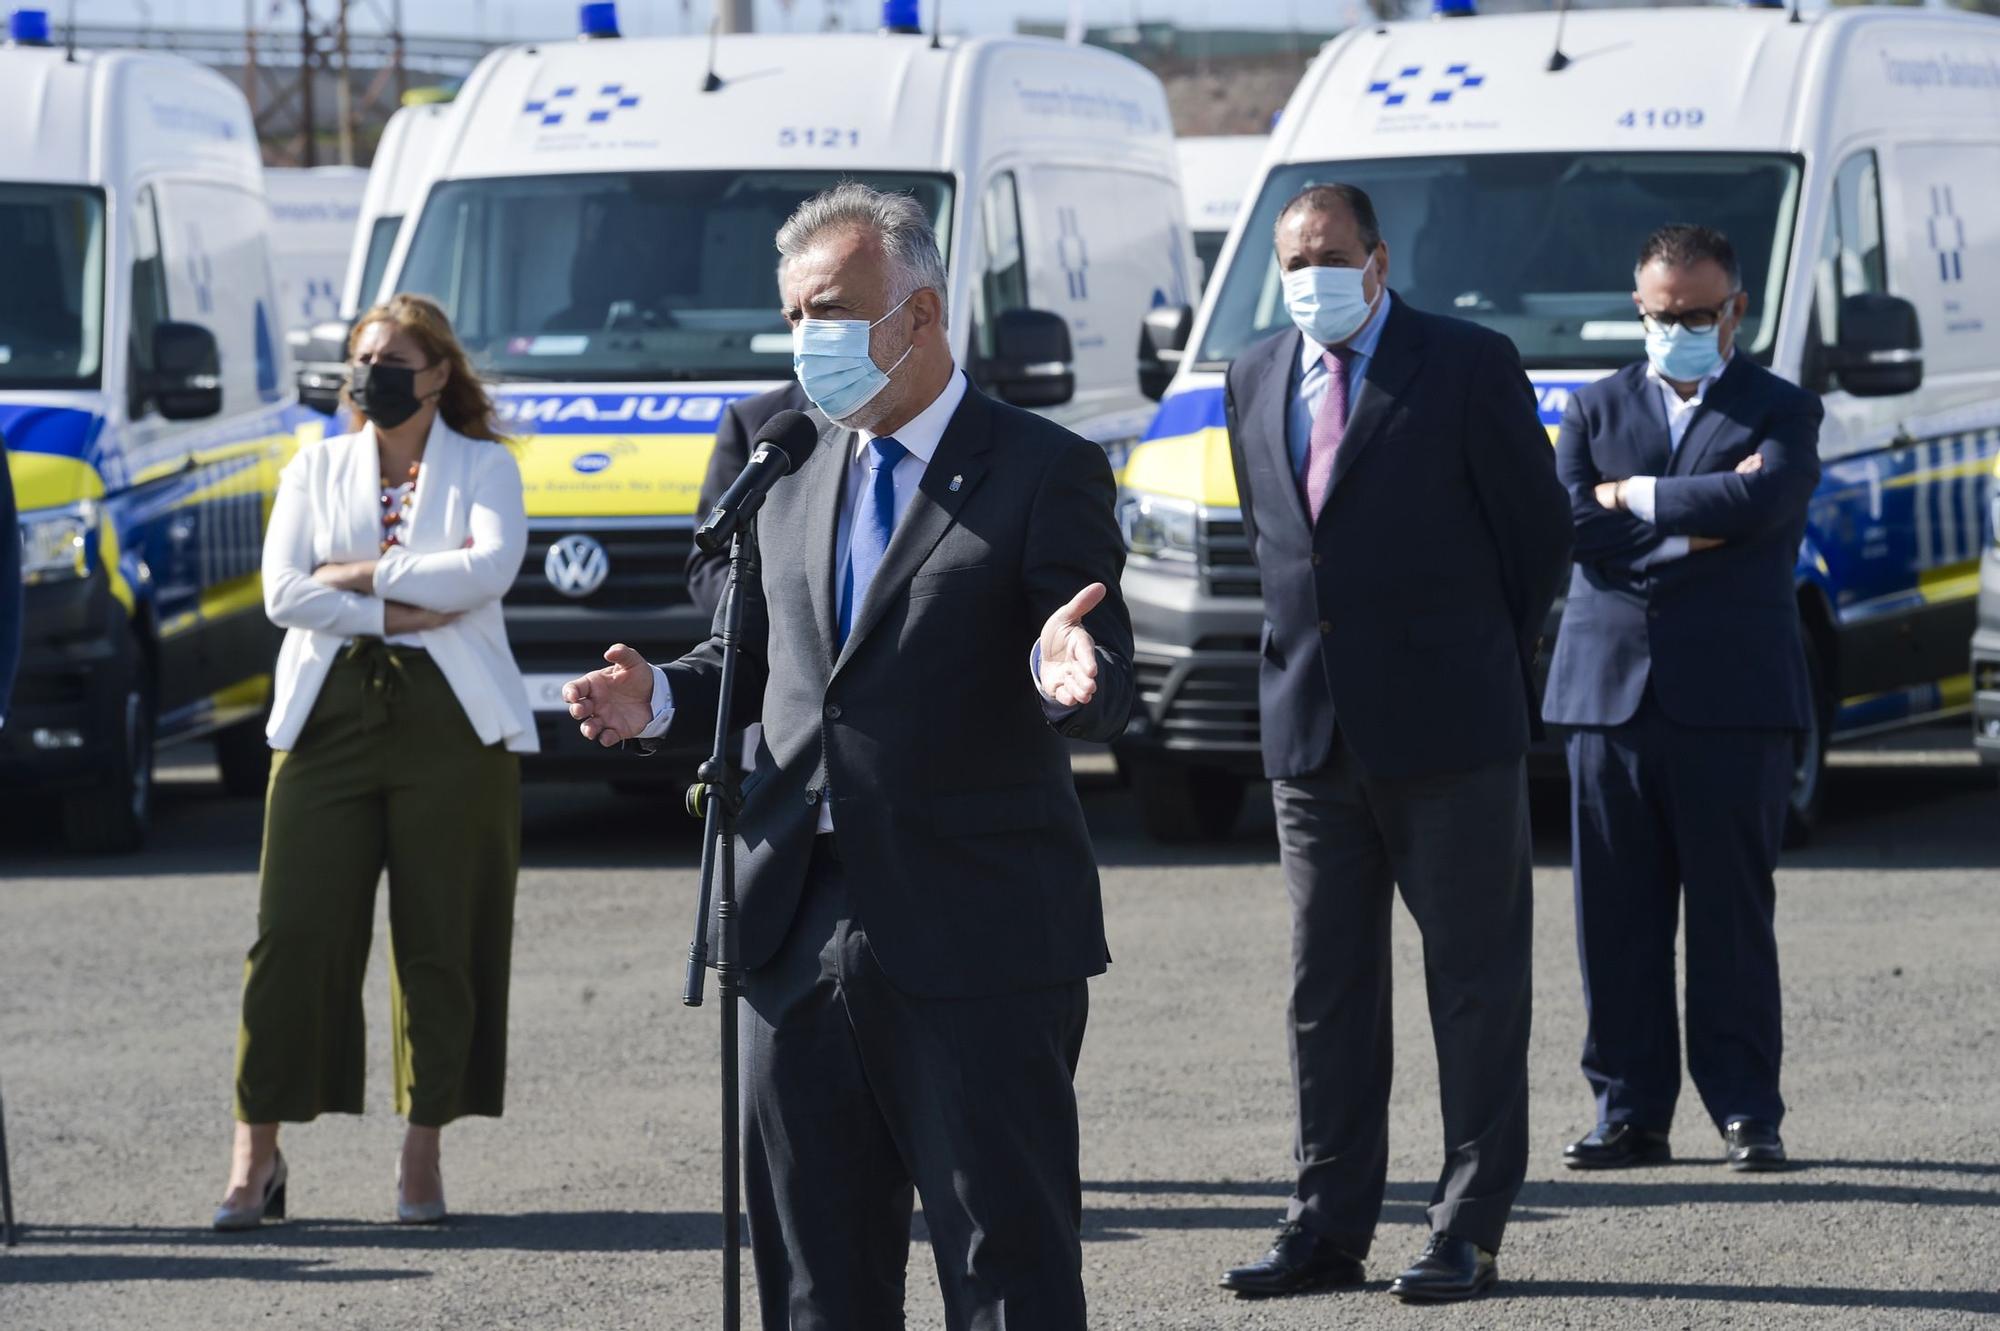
(149, 295)
(1003, 272)
(1851, 258)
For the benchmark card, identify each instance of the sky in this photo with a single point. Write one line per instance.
(507, 19)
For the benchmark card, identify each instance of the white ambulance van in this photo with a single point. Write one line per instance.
(144, 404)
(314, 213)
(600, 227)
(1854, 159)
(1218, 171)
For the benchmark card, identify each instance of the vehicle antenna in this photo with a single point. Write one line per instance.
(937, 23)
(1557, 60)
(713, 82)
(69, 43)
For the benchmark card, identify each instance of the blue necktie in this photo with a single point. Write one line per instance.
(874, 523)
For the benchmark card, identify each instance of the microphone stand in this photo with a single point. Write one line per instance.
(716, 799)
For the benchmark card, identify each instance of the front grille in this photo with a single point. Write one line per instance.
(1226, 566)
(1207, 706)
(647, 568)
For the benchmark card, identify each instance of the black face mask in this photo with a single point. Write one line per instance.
(385, 394)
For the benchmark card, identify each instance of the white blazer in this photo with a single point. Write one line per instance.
(329, 510)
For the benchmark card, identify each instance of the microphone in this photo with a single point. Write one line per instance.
(785, 442)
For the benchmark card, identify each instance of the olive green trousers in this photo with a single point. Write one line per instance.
(388, 773)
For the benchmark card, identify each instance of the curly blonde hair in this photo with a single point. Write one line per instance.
(464, 403)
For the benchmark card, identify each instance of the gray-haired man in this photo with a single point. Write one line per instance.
(937, 615)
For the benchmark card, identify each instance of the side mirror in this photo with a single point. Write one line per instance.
(1033, 363)
(321, 355)
(1163, 339)
(1881, 346)
(186, 379)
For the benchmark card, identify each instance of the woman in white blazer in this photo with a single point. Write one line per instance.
(399, 719)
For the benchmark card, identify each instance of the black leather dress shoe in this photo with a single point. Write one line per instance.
(1619, 1146)
(1298, 1261)
(1754, 1146)
(1450, 1271)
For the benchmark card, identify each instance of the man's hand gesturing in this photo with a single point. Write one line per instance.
(1069, 653)
(614, 704)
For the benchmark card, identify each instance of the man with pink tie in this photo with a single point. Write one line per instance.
(1400, 498)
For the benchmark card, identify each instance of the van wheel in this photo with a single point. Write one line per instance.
(110, 816)
(1802, 810)
(244, 756)
(1180, 803)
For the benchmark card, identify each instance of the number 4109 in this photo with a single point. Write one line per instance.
(1671, 117)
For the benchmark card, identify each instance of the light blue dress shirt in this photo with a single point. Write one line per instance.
(1309, 382)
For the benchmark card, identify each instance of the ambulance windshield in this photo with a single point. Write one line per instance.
(1538, 246)
(51, 286)
(629, 276)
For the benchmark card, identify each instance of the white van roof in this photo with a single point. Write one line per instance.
(402, 162)
(108, 117)
(1217, 170)
(875, 102)
(1709, 79)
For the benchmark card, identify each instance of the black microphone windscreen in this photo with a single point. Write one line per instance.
(791, 433)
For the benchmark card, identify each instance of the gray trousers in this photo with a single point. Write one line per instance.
(855, 1092)
(1459, 846)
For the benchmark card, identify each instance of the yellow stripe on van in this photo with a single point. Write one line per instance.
(244, 695)
(648, 476)
(1190, 466)
(43, 480)
(1953, 582)
(233, 597)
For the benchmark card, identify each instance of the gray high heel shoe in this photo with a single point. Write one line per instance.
(418, 1213)
(271, 1206)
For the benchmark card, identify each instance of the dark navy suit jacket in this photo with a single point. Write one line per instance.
(10, 586)
(1715, 633)
(1409, 613)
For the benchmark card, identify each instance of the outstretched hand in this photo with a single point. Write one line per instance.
(1069, 653)
(614, 704)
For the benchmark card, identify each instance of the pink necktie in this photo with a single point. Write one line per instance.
(1329, 424)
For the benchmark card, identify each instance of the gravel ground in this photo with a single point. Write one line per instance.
(593, 1203)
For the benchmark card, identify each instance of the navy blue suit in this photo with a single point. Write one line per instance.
(1395, 704)
(1412, 609)
(11, 595)
(1686, 683)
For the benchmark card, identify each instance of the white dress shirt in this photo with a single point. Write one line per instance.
(1680, 414)
(920, 438)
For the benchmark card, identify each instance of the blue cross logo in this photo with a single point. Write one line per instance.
(1400, 87)
(1072, 254)
(552, 109)
(1947, 235)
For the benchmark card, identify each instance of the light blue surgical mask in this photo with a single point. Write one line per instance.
(1328, 304)
(831, 358)
(1683, 355)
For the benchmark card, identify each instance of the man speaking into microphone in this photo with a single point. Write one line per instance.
(935, 617)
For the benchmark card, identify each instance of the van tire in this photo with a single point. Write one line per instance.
(110, 816)
(1181, 803)
(243, 756)
(1808, 793)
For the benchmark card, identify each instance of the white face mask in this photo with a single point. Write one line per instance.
(1328, 304)
(834, 365)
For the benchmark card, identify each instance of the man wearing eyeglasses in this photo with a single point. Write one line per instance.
(1681, 671)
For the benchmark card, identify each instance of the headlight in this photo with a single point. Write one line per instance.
(55, 543)
(1156, 528)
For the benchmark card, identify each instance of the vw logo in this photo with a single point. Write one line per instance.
(576, 566)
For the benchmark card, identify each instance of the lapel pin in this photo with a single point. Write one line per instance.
(956, 481)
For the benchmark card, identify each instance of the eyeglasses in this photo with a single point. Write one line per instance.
(1695, 321)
